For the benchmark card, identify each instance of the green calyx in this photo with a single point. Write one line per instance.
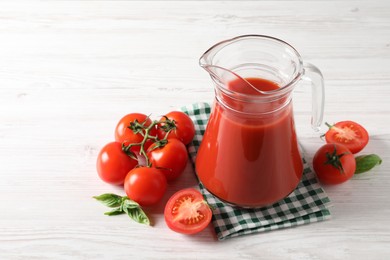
(136, 126)
(334, 159)
(168, 125)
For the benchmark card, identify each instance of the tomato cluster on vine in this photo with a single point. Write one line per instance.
(146, 154)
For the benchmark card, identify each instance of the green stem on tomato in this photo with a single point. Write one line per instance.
(126, 150)
(147, 136)
(328, 125)
(167, 133)
(155, 138)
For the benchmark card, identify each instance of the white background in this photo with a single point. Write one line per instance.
(70, 70)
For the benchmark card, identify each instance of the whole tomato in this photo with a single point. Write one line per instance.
(145, 185)
(179, 125)
(129, 130)
(171, 158)
(334, 163)
(113, 164)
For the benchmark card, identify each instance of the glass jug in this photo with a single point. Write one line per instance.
(249, 155)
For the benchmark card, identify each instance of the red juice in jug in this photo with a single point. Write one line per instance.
(250, 159)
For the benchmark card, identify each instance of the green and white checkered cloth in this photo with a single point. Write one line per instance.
(306, 204)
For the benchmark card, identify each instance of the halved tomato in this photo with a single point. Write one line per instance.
(187, 212)
(348, 133)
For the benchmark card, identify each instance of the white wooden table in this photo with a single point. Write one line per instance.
(70, 70)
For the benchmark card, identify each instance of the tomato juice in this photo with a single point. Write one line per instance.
(249, 154)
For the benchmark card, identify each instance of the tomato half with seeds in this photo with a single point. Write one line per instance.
(187, 212)
(348, 133)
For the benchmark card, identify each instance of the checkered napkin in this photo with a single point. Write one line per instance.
(306, 204)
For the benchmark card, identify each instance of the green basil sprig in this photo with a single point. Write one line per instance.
(123, 205)
(365, 163)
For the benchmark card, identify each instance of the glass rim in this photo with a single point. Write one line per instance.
(204, 62)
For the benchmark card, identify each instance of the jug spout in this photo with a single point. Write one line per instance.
(218, 74)
(222, 76)
(223, 68)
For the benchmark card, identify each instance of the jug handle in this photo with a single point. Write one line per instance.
(314, 76)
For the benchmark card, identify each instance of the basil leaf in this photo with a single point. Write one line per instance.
(123, 205)
(134, 211)
(129, 204)
(138, 215)
(109, 199)
(365, 163)
(114, 212)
